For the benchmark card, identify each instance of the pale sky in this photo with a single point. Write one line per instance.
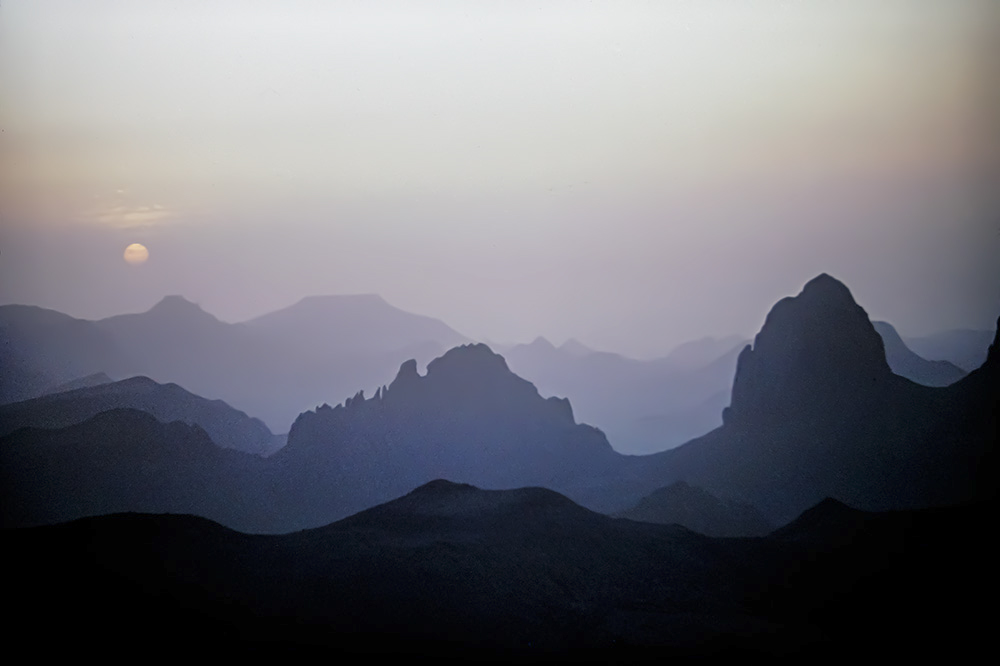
(632, 174)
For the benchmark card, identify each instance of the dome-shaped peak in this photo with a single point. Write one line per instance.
(475, 357)
(813, 347)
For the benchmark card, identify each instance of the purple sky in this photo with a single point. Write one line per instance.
(630, 174)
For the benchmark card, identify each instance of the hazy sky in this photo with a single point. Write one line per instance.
(632, 174)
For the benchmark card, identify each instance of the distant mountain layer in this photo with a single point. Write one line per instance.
(643, 406)
(454, 572)
(360, 324)
(228, 427)
(964, 348)
(905, 363)
(273, 367)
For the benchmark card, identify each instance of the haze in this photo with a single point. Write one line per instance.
(627, 174)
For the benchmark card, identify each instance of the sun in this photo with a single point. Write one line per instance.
(136, 253)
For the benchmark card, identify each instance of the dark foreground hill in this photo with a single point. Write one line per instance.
(695, 509)
(125, 460)
(451, 571)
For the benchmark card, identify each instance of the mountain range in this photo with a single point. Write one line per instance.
(815, 412)
(458, 512)
(324, 348)
(272, 367)
(227, 427)
(450, 571)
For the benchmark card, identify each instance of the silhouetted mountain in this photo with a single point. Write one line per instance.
(964, 348)
(699, 511)
(816, 348)
(357, 324)
(450, 571)
(40, 349)
(122, 460)
(176, 341)
(905, 363)
(228, 427)
(469, 418)
(828, 521)
(273, 367)
(816, 412)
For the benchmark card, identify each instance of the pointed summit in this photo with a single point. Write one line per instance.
(542, 343)
(176, 306)
(815, 347)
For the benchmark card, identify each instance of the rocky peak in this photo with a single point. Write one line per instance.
(819, 344)
(468, 359)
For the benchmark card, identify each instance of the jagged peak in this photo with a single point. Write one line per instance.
(407, 370)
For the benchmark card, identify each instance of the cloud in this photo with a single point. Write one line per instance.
(126, 216)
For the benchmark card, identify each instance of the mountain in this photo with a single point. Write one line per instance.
(273, 367)
(965, 348)
(450, 571)
(176, 341)
(643, 406)
(905, 363)
(94, 379)
(40, 349)
(355, 324)
(123, 460)
(699, 511)
(469, 418)
(816, 412)
(228, 427)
